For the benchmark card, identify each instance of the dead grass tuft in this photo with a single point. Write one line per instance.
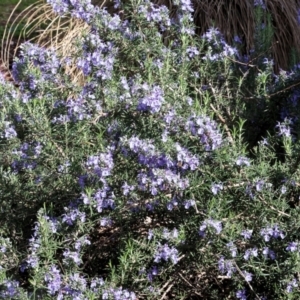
(234, 17)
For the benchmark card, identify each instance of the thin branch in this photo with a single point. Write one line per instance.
(224, 122)
(167, 290)
(250, 286)
(273, 208)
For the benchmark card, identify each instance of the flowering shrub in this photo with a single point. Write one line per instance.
(142, 182)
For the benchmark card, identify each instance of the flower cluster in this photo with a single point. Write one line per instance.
(28, 153)
(9, 131)
(226, 266)
(34, 245)
(72, 214)
(10, 289)
(271, 232)
(118, 294)
(101, 165)
(242, 160)
(152, 101)
(46, 63)
(98, 57)
(53, 280)
(165, 252)
(82, 9)
(207, 131)
(214, 37)
(157, 15)
(216, 188)
(284, 128)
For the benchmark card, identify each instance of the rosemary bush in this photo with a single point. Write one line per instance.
(148, 180)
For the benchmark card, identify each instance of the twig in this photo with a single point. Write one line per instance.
(273, 208)
(194, 288)
(224, 122)
(238, 62)
(250, 286)
(167, 290)
(289, 87)
(185, 280)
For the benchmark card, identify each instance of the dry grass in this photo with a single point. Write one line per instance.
(234, 17)
(47, 29)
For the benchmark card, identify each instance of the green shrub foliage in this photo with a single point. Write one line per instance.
(170, 173)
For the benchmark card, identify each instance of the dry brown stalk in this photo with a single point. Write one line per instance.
(234, 17)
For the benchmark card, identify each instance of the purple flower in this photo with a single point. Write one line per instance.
(27, 153)
(283, 189)
(102, 164)
(232, 248)
(277, 232)
(187, 160)
(64, 167)
(127, 188)
(152, 101)
(260, 3)
(72, 215)
(250, 252)
(247, 233)
(52, 223)
(291, 285)
(242, 160)
(18, 117)
(152, 272)
(79, 9)
(159, 15)
(292, 247)
(150, 234)
(164, 252)
(81, 242)
(247, 276)
(106, 221)
(284, 128)
(189, 203)
(211, 34)
(192, 52)
(73, 256)
(169, 116)
(237, 39)
(241, 294)
(9, 131)
(216, 188)
(10, 290)
(59, 6)
(269, 253)
(53, 280)
(117, 294)
(96, 283)
(98, 57)
(173, 203)
(104, 198)
(228, 50)
(185, 5)
(207, 131)
(269, 232)
(226, 266)
(217, 225)
(259, 185)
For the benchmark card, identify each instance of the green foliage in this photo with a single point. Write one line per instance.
(151, 180)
